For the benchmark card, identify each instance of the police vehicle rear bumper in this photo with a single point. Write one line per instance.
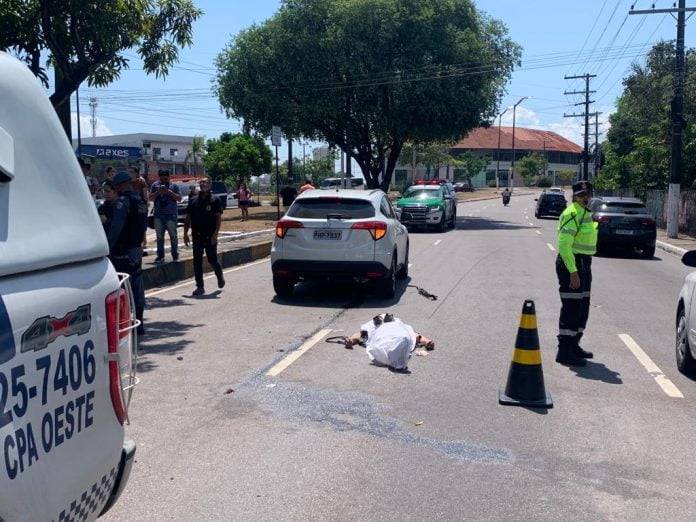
(124, 469)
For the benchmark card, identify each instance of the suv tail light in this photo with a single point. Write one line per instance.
(122, 342)
(377, 229)
(283, 225)
(648, 222)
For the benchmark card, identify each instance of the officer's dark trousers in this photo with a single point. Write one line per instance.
(131, 262)
(201, 243)
(575, 304)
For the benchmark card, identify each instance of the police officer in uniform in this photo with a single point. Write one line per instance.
(128, 224)
(577, 243)
(204, 215)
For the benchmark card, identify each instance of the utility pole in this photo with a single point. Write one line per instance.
(677, 111)
(93, 110)
(597, 152)
(586, 115)
(79, 132)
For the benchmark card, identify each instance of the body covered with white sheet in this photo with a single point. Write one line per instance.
(390, 343)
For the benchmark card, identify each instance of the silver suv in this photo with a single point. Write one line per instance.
(342, 234)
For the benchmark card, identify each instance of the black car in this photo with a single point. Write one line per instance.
(624, 223)
(550, 204)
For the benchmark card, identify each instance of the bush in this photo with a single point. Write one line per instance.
(491, 183)
(544, 182)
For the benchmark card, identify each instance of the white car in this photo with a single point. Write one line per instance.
(556, 190)
(686, 320)
(342, 234)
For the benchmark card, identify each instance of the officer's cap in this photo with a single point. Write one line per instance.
(121, 177)
(582, 187)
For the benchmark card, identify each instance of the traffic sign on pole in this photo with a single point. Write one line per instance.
(275, 136)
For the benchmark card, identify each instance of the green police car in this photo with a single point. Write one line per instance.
(428, 203)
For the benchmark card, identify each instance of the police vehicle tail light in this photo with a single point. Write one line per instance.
(122, 344)
(283, 225)
(377, 229)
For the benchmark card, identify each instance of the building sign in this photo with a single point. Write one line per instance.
(111, 152)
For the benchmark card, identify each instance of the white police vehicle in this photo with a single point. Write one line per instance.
(67, 344)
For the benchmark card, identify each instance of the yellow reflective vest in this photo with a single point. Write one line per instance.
(577, 234)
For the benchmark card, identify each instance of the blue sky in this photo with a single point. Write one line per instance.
(559, 37)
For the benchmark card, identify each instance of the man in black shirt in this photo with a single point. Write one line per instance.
(288, 193)
(203, 216)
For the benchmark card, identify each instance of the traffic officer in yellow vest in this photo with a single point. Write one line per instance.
(577, 243)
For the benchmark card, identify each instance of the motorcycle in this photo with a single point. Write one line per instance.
(506, 200)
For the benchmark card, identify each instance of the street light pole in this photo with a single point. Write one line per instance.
(511, 181)
(497, 166)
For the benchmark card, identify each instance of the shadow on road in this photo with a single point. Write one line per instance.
(339, 294)
(156, 302)
(481, 223)
(597, 372)
(203, 297)
(161, 338)
(624, 253)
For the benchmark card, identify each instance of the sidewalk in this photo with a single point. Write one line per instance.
(677, 246)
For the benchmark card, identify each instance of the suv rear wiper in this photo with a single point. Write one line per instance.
(337, 216)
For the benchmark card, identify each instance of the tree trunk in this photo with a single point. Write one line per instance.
(63, 108)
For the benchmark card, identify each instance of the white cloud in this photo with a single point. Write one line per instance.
(86, 126)
(523, 117)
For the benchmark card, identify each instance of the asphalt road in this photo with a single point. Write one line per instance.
(334, 437)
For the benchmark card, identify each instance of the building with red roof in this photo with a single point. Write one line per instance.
(561, 154)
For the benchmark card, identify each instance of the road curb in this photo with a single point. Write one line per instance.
(677, 251)
(168, 273)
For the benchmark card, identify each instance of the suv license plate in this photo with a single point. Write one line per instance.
(625, 232)
(330, 235)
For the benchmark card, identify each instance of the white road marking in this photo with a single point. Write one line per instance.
(532, 224)
(293, 356)
(667, 386)
(190, 281)
(551, 248)
(437, 242)
(537, 232)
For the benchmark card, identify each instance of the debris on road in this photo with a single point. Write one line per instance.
(419, 423)
(228, 391)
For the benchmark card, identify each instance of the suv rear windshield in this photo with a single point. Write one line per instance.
(554, 197)
(624, 207)
(320, 208)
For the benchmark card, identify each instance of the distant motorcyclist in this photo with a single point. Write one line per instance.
(506, 196)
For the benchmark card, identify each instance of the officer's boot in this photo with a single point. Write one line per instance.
(566, 353)
(579, 351)
(139, 312)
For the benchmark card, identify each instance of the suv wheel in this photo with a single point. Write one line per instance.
(387, 287)
(403, 273)
(283, 286)
(685, 361)
(648, 252)
(453, 222)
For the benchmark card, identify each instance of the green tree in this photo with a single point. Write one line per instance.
(565, 175)
(234, 158)
(433, 155)
(196, 153)
(531, 166)
(86, 39)
(368, 75)
(469, 165)
(638, 146)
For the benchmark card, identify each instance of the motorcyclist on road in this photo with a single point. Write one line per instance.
(506, 196)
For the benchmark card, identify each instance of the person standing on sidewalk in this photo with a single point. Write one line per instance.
(125, 236)
(165, 195)
(139, 185)
(577, 243)
(203, 217)
(244, 197)
(307, 186)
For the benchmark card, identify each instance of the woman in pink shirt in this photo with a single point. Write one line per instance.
(244, 196)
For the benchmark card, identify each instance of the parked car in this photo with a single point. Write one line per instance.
(67, 323)
(463, 186)
(346, 234)
(624, 222)
(550, 204)
(686, 320)
(556, 190)
(428, 203)
(219, 189)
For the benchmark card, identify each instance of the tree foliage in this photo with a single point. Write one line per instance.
(469, 165)
(566, 175)
(86, 39)
(234, 158)
(638, 146)
(195, 155)
(531, 166)
(368, 75)
(433, 155)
